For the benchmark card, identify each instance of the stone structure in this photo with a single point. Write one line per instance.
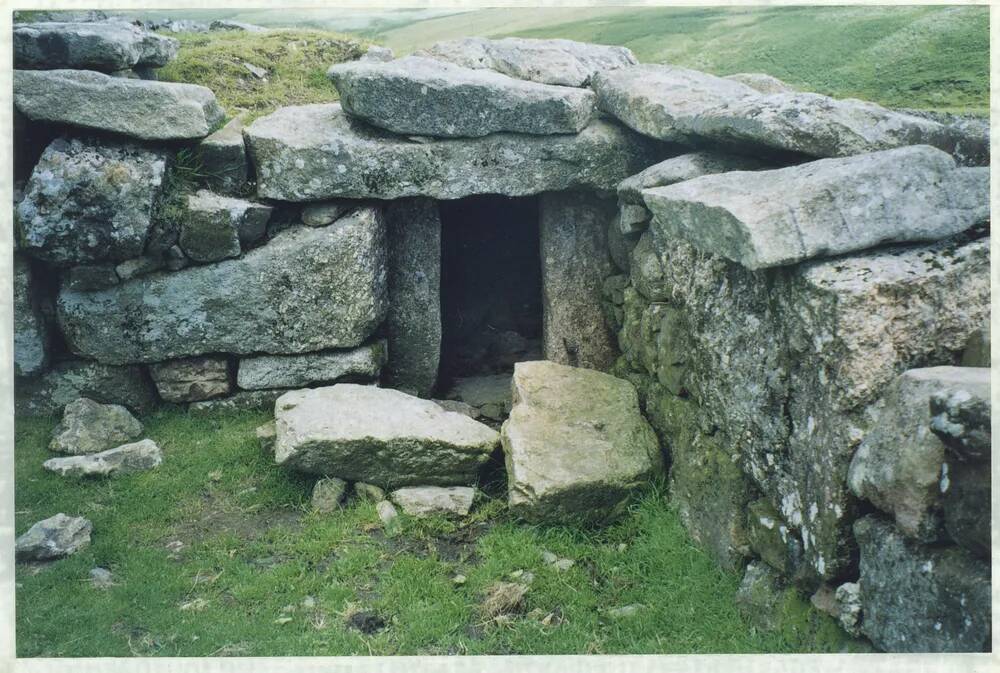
(780, 282)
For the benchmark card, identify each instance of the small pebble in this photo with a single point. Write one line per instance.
(101, 578)
(458, 580)
(625, 611)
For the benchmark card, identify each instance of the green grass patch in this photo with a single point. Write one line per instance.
(216, 552)
(296, 62)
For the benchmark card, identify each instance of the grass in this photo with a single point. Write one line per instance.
(258, 573)
(296, 62)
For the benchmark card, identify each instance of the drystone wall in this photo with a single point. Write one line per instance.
(797, 288)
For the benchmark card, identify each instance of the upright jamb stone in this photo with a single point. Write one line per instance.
(31, 341)
(573, 235)
(413, 322)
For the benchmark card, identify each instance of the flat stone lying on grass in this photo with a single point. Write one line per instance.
(51, 538)
(575, 444)
(134, 457)
(295, 371)
(379, 436)
(430, 500)
(920, 599)
(428, 97)
(89, 427)
(316, 152)
(244, 400)
(191, 379)
(92, 100)
(90, 201)
(762, 82)
(97, 45)
(661, 101)
(770, 218)
(327, 494)
(490, 395)
(818, 125)
(216, 226)
(223, 157)
(306, 290)
(68, 380)
(563, 62)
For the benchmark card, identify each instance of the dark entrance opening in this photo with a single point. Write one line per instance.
(491, 285)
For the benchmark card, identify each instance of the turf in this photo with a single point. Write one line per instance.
(258, 573)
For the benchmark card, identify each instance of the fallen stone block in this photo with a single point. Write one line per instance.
(824, 208)
(306, 290)
(327, 494)
(423, 501)
(379, 436)
(89, 427)
(562, 62)
(90, 201)
(135, 457)
(92, 100)
(920, 599)
(55, 537)
(316, 152)
(428, 97)
(296, 371)
(96, 45)
(191, 379)
(575, 445)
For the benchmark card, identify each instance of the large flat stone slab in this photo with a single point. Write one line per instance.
(379, 436)
(661, 101)
(827, 207)
(819, 126)
(52, 538)
(563, 62)
(306, 290)
(139, 108)
(102, 45)
(680, 168)
(424, 96)
(134, 457)
(316, 152)
(575, 444)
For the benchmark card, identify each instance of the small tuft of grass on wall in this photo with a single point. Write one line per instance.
(294, 64)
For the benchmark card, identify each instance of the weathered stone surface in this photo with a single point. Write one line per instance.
(379, 436)
(761, 82)
(389, 517)
(378, 54)
(823, 208)
(88, 427)
(104, 45)
(223, 157)
(88, 201)
(490, 396)
(921, 599)
(315, 152)
(91, 277)
(431, 500)
(458, 407)
(68, 380)
(413, 322)
(960, 413)
(564, 62)
(817, 125)
(266, 436)
(296, 371)
(428, 97)
(662, 101)
(245, 400)
(573, 234)
(965, 504)
(770, 538)
(132, 107)
(325, 212)
(977, 349)
(681, 168)
(327, 494)
(306, 290)
(57, 536)
(575, 444)
(31, 341)
(215, 226)
(793, 410)
(138, 266)
(191, 379)
(898, 466)
(632, 218)
(135, 457)
(368, 492)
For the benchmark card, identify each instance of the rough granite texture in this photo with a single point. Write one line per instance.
(67, 380)
(135, 457)
(101, 45)
(296, 371)
(191, 379)
(307, 289)
(315, 152)
(31, 338)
